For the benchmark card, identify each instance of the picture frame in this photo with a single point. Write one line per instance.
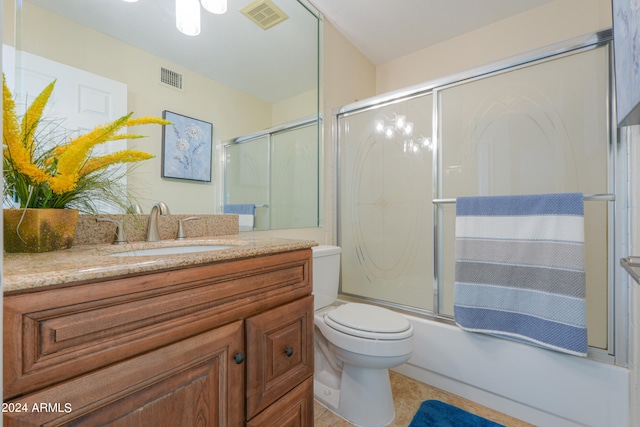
(186, 148)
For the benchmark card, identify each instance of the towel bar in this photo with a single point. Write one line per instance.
(587, 197)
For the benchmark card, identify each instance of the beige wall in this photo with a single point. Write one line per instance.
(553, 22)
(297, 107)
(8, 17)
(348, 77)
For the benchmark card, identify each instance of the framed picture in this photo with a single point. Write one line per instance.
(626, 42)
(186, 148)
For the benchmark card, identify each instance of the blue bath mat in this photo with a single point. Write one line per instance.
(433, 413)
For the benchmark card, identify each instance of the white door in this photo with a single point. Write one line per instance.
(80, 101)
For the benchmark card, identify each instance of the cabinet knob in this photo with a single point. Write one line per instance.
(238, 357)
(288, 351)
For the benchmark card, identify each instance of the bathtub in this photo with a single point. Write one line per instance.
(541, 387)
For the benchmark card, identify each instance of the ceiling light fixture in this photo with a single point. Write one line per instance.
(188, 13)
(215, 6)
(188, 17)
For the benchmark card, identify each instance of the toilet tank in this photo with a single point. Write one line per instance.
(326, 275)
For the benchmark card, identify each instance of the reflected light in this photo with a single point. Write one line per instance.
(215, 6)
(188, 17)
(398, 126)
(388, 132)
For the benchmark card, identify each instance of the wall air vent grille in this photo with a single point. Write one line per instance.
(170, 78)
(264, 13)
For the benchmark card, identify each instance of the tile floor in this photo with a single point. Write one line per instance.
(407, 396)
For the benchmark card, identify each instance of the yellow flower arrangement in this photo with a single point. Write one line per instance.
(41, 173)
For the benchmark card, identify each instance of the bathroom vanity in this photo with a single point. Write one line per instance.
(221, 338)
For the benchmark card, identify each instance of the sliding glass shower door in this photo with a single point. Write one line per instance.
(532, 128)
(385, 203)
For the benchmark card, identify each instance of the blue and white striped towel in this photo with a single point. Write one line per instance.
(520, 269)
(242, 209)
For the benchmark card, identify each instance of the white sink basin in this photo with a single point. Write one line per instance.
(173, 250)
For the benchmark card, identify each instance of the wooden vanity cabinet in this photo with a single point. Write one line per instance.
(223, 344)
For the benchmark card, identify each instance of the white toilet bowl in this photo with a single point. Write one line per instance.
(355, 345)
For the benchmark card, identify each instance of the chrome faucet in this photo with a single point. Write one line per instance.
(181, 234)
(134, 209)
(153, 231)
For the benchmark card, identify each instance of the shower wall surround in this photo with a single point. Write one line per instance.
(538, 126)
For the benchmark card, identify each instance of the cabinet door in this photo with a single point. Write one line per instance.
(295, 409)
(195, 381)
(279, 352)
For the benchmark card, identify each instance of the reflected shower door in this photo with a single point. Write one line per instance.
(279, 173)
(294, 171)
(247, 177)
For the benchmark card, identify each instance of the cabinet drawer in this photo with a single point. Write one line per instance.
(295, 409)
(279, 352)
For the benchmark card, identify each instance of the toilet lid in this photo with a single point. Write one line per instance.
(369, 321)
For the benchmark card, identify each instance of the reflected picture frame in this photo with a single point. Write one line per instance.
(187, 145)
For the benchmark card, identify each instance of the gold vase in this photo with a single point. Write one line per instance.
(39, 230)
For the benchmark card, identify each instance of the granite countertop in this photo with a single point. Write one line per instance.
(89, 262)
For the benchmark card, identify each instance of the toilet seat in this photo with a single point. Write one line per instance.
(368, 321)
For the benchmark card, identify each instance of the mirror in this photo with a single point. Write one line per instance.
(269, 175)
(235, 74)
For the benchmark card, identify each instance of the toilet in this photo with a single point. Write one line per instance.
(354, 347)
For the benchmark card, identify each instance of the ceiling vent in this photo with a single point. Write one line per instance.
(264, 13)
(170, 78)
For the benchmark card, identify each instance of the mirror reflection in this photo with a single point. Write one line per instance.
(267, 177)
(113, 57)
